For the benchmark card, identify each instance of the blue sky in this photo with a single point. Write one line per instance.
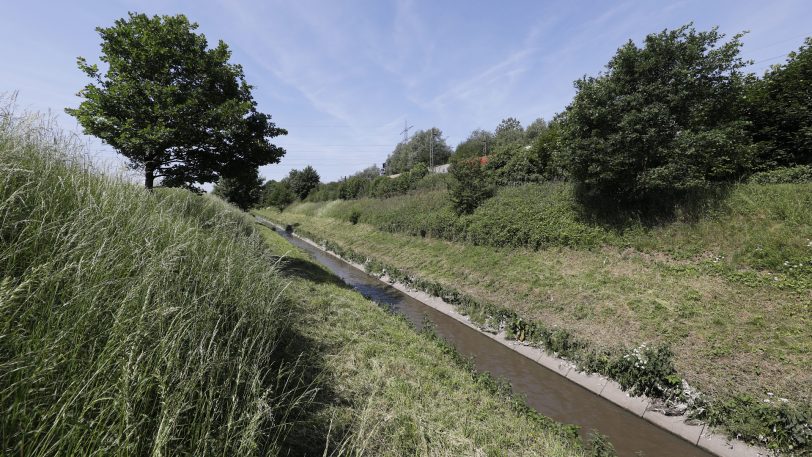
(343, 77)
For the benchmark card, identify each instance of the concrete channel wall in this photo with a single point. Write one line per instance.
(696, 433)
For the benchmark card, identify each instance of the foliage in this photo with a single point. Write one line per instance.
(780, 107)
(535, 129)
(514, 164)
(277, 194)
(664, 121)
(174, 108)
(244, 190)
(420, 148)
(786, 175)
(301, 182)
(469, 187)
(508, 132)
(476, 145)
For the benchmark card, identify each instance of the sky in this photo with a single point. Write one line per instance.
(345, 78)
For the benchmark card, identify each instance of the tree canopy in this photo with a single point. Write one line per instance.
(474, 146)
(243, 191)
(780, 106)
(665, 119)
(419, 149)
(175, 108)
(303, 181)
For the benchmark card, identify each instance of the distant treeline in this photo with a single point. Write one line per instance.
(668, 120)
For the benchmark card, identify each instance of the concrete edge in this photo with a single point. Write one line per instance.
(699, 435)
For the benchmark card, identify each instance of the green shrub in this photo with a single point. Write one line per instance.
(664, 121)
(470, 186)
(785, 175)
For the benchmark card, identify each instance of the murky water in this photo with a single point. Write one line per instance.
(546, 391)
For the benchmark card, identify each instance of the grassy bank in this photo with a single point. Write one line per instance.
(165, 323)
(396, 392)
(739, 334)
(132, 322)
(755, 226)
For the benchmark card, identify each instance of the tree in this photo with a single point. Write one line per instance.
(303, 181)
(476, 145)
(174, 108)
(664, 121)
(469, 187)
(535, 129)
(423, 145)
(277, 194)
(780, 106)
(509, 131)
(244, 190)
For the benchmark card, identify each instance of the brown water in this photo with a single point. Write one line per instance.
(548, 392)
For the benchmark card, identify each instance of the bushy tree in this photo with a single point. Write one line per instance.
(509, 131)
(780, 106)
(664, 121)
(176, 109)
(243, 191)
(475, 145)
(418, 150)
(470, 186)
(303, 181)
(277, 194)
(515, 164)
(535, 129)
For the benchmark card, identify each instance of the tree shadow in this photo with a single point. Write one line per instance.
(305, 269)
(313, 430)
(667, 208)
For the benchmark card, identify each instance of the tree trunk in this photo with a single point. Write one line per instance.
(149, 175)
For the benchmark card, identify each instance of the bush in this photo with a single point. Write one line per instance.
(786, 175)
(470, 186)
(665, 120)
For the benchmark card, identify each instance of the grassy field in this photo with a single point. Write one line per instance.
(715, 291)
(165, 323)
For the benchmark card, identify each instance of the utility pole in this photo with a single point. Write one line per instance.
(405, 131)
(431, 150)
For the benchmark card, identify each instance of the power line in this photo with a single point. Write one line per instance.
(405, 131)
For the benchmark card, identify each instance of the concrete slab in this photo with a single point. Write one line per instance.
(721, 446)
(561, 367)
(635, 405)
(675, 425)
(592, 382)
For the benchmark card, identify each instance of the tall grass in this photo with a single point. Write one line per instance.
(131, 323)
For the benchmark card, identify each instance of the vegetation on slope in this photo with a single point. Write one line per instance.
(131, 322)
(739, 334)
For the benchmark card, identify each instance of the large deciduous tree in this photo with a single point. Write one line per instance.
(664, 121)
(781, 110)
(244, 190)
(303, 181)
(176, 109)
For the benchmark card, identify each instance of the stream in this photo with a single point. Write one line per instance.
(546, 391)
